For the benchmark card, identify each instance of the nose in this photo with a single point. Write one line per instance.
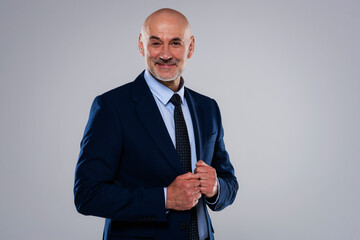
(165, 53)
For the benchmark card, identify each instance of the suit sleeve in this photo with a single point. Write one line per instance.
(224, 170)
(96, 192)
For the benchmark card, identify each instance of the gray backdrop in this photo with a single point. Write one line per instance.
(285, 74)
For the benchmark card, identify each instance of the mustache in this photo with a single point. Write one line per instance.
(168, 61)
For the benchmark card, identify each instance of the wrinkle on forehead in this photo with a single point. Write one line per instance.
(167, 20)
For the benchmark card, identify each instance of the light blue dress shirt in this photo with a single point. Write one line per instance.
(162, 95)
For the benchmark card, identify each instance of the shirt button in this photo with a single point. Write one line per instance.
(182, 226)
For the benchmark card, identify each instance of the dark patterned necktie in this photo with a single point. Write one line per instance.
(184, 152)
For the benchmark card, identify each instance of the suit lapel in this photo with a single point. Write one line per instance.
(196, 112)
(197, 117)
(150, 115)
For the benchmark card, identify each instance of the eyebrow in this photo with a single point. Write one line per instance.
(154, 37)
(172, 40)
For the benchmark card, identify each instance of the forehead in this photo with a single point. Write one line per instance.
(167, 26)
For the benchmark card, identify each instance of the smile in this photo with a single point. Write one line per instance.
(165, 65)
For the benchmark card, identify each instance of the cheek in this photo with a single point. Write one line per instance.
(152, 53)
(149, 58)
(180, 54)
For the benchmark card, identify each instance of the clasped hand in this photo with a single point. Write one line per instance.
(185, 191)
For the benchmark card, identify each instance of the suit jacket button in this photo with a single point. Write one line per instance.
(182, 226)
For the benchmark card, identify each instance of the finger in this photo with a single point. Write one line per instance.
(197, 190)
(194, 183)
(196, 170)
(188, 175)
(183, 176)
(204, 182)
(202, 169)
(204, 190)
(198, 195)
(203, 175)
(193, 177)
(208, 182)
(195, 202)
(201, 163)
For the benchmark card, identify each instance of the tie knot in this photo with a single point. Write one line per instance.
(176, 100)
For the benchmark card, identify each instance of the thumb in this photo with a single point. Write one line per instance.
(200, 163)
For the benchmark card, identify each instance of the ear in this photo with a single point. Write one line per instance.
(191, 47)
(141, 46)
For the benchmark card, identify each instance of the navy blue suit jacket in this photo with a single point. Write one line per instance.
(127, 158)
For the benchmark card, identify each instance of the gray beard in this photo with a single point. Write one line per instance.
(177, 75)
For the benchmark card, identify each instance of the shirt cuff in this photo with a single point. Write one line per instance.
(165, 192)
(217, 197)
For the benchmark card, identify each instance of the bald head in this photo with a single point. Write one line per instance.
(166, 16)
(166, 43)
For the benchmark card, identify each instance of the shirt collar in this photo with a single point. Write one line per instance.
(160, 91)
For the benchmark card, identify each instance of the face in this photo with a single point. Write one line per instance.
(166, 44)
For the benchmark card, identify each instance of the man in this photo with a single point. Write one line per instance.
(152, 156)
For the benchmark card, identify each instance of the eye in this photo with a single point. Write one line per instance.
(176, 43)
(155, 44)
